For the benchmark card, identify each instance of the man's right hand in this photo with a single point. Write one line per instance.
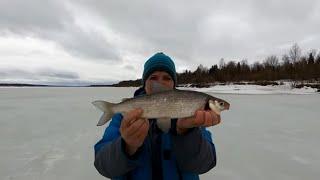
(134, 130)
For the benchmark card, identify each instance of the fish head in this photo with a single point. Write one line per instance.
(218, 105)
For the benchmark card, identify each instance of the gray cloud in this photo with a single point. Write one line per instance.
(45, 74)
(53, 21)
(129, 67)
(193, 33)
(284, 10)
(50, 73)
(91, 45)
(208, 29)
(161, 26)
(33, 17)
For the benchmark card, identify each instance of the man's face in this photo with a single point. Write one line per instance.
(161, 77)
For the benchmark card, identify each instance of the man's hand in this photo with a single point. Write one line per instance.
(134, 130)
(201, 118)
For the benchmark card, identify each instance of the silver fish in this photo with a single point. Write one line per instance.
(163, 105)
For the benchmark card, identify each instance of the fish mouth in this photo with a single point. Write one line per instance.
(227, 106)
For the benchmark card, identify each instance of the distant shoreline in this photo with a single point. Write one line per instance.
(294, 84)
(44, 85)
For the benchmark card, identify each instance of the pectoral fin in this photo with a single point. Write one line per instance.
(164, 124)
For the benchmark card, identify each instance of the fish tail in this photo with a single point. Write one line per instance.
(106, 107)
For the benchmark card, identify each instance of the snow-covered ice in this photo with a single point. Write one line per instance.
(286, 88)
(49, 133)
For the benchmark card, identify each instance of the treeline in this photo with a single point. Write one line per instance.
(129, 83)
(293, 66)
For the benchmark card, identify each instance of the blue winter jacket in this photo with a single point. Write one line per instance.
(182, 156)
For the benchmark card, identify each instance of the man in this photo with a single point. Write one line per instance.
(135, 148)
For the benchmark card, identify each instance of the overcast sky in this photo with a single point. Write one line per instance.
(77, 41)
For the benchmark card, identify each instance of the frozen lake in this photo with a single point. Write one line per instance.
(49, 133)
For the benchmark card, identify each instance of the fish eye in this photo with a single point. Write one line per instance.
(221, 103)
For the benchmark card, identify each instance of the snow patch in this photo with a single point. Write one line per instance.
(255, 89)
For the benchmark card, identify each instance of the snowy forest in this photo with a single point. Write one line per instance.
(293, 66)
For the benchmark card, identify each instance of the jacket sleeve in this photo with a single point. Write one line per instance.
(110, 158)
(195, 151)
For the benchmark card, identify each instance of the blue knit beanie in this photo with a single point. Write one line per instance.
(159, 62)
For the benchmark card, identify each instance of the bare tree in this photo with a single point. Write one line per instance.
(313, 52)
(222, 64)
(271, 61)
(310, 59)
(202, 69)
(285, 59)
(244, 62)
(295, 53)
(256, 66)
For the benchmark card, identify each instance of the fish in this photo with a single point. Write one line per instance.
(163, 104)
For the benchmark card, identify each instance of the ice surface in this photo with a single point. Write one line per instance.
(49, 133)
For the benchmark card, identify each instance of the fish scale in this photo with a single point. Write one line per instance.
(168, 104)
